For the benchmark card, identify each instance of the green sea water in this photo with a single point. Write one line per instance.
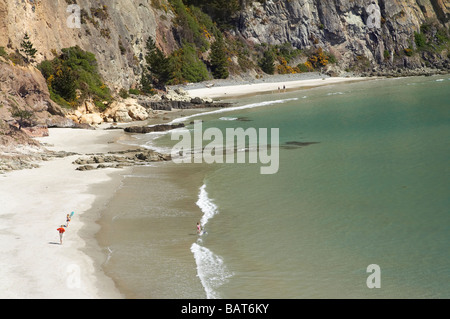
(363, 179)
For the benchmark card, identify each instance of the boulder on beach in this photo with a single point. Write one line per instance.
(154, 128)
(126, 111)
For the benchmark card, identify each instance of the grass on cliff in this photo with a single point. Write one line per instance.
(72, 77)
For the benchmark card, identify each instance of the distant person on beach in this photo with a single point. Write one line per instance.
(199, 228)
(61, 231)
(67, 220)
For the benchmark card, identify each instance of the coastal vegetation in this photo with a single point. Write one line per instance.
(22, 116)
(73, 77)
(432, 37)
(28, 48)
(219, 59)
(159, 70)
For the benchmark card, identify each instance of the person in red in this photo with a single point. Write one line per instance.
(61, 231)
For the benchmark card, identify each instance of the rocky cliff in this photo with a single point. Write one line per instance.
(116, 30)
(343, 27)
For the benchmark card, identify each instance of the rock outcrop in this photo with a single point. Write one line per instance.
(115, 31)
(342, 27)
(125, 111)
(153, 128)
(25, 101)
(25, 88)
(120, 159)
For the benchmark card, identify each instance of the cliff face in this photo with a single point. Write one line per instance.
(115, 31)
(340, 26)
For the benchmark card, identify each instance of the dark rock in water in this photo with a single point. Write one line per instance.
(296, 144)
(155, 128)
(168, 105)
(152, 156)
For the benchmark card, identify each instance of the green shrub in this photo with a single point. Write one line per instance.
(287, 51)
(17, 58)
(74, 70)
(187, 66)
(409, 51)
(159, 71)
(188, 25)
(219, 59)
(3, 52)
(303, 67)
(224, 12)
(134, 91)
(123, 93)
(267, 62)
(420, 39)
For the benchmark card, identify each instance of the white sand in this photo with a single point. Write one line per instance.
(34, 203)
(217, 92)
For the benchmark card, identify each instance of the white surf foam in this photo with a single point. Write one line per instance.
(207, 206)
(234, 108)
(335, 93)
(224, 118)
(211, 270)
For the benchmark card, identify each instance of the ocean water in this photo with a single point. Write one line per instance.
(363, 179)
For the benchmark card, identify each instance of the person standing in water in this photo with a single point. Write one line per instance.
(199, 228)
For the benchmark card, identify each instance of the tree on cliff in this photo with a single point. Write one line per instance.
(22, 116)
(222, 11)
(159, 67)
(267, 62)
(75, 71)
(27, 48)
(219, 59)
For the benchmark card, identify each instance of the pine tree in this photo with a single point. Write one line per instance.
(160, 70)
(27, 48)
(219, 59)
(22, 116)
(267, 62)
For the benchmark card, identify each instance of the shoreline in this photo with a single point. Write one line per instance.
(234, 90)
(37, 201)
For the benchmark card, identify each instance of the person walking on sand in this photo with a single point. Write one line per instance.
(199, 228)
(67, 220)
(61, 231)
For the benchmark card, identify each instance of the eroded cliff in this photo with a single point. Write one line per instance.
(343, 27)
(115, 31)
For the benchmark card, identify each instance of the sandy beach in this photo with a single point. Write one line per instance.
(232, 91)
(35, 203)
